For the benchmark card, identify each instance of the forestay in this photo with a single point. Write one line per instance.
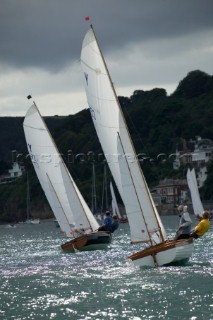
(145, 223)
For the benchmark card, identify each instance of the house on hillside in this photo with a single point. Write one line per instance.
(195, 154)
(16, 171)
(173, 191)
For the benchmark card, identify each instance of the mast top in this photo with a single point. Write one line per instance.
(87, 18)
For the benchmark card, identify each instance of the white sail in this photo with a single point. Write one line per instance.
(83, 216)
(115, 208)
(67, 204)
(194, 191)
(116, 143)
(56, 205)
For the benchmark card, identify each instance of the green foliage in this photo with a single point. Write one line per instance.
(157, 123)
(4, 167)
(194, 85)
(207, 189)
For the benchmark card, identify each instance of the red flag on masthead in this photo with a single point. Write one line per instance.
(87, 18)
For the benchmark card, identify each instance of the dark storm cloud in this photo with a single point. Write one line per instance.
(48, 33)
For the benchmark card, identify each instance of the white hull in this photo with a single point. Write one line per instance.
(172, 252)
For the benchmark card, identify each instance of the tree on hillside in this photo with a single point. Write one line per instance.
(194, 84)
(207, 189)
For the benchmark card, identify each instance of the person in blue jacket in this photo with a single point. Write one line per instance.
(107, 226)
(115, 223)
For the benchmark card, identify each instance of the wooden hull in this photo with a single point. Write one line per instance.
(94, 241)
(166, 253)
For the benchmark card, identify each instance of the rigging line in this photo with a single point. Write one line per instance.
(58, 198)
(150, 238)
(136, 130)
(125, 124)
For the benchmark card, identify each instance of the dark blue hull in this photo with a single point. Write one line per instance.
(94, 241)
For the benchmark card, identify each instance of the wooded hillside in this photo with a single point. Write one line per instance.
(157, 124)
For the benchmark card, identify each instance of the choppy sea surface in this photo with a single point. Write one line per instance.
(38, 281)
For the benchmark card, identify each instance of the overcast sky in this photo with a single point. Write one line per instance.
(146, 44)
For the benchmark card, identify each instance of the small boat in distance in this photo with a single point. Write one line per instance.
(145, 224)
(69, 207)
(195, 195)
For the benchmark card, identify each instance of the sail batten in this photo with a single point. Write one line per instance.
(115, 140)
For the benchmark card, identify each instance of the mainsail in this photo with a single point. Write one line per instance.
(194, 191)
(66, 201)
(145, 223)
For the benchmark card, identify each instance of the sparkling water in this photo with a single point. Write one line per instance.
(39, 281)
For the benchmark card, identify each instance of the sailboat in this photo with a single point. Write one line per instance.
(194, 191)
(145, 224)
(115, 208)
(69, 207)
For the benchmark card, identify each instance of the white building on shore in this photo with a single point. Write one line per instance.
(16, 170)
(197, 158)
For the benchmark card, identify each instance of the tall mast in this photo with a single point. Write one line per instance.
(94, 199)
(121, 112)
